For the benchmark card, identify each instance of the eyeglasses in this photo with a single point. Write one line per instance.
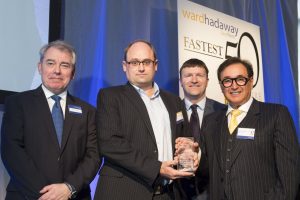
(136, 63)
(240, 81)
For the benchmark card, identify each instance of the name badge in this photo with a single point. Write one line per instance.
(246, 133)
(179, 117)
(75, 109)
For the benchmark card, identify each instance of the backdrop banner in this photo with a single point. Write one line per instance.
(212, 37)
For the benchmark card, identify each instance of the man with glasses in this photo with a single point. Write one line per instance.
(252, 148)
(137, 125)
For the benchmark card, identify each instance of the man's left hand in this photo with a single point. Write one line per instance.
(58, 191)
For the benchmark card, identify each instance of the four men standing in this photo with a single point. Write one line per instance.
(49, 141)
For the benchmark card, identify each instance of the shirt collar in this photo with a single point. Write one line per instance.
(142, 92)
(245, 107)
(201, 103)
(48, 93)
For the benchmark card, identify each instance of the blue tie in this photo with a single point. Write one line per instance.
(57, 116)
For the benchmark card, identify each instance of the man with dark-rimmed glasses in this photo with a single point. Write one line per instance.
(251, 146)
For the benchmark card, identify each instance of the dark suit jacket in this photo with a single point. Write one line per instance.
(127, 142)
(264, 168)
(192, 187)
(30, 150)
(212, 106)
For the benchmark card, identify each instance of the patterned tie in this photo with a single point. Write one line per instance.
(57, 116)
(194, 122)
(233, 121)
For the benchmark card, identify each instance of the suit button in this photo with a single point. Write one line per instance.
(227, 171)
(227, 159)
(58, 158)
(229, 140)
(155, 151)
(228, 149)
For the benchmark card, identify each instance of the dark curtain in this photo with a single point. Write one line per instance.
(101, 29)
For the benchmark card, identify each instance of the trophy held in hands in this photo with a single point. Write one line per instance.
(186, 155)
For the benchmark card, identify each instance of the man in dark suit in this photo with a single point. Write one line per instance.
(252, 148)
(137, 125)
(194, 81)
(44, 160)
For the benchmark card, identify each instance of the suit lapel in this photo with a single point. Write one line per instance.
(139, 105)
(44, 112)
(172, 116)
(217, 136)
(250, 121)
(208, 107)
(68, 122)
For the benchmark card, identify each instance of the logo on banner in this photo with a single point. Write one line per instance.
(213, 36)
(216, 23)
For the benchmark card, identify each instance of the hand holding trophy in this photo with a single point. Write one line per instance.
(186, 154)
(186, 159)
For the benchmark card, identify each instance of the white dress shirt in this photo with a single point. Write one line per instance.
(200, 108)
(63, 100)
(160, 121)
(244, 108)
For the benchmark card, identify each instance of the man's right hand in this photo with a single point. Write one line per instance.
(167, 171)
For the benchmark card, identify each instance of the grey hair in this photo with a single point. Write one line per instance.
(61, 45)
